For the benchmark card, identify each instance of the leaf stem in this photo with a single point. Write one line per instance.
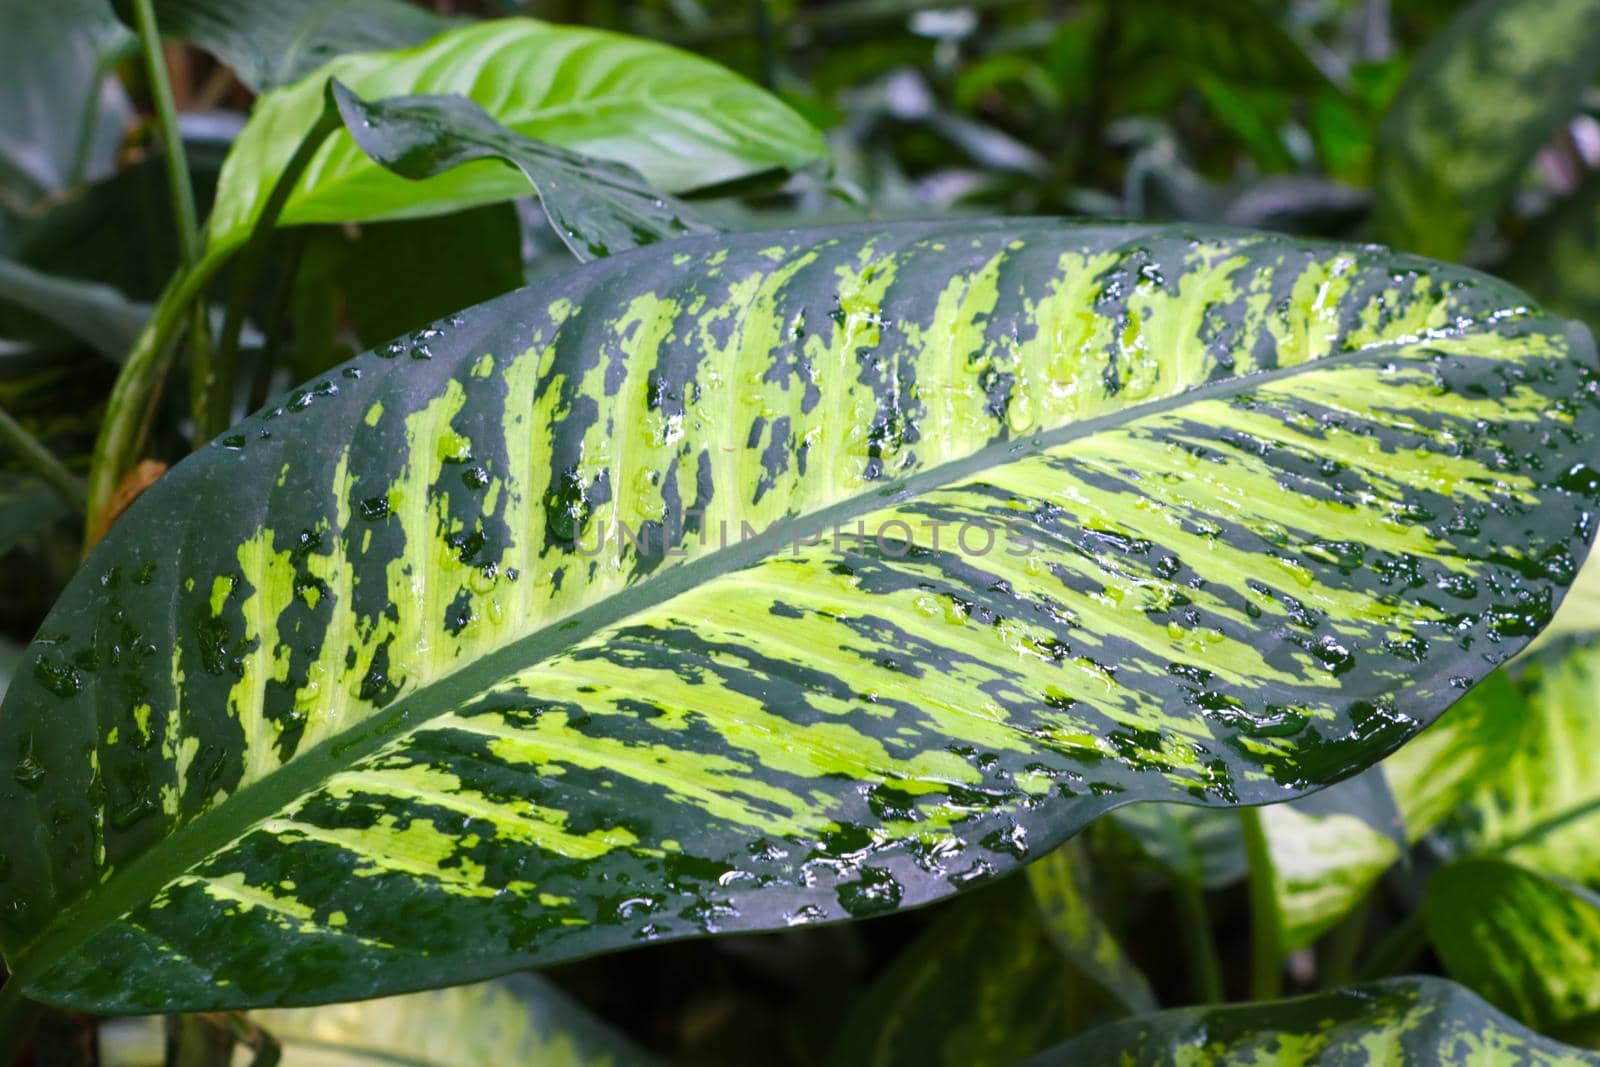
(1205, 969)
(1266, 928)
(1343, 945)
(18, 1016)
(213, 409)
(172, 144)
(138, 385)
(41, 461)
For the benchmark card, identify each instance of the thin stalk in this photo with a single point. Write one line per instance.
(1343, 945)
(138, 385)
(41, 461)
(18, 1017)
(172, 144)
(1205, 969)
(1266, 928)
(213, 412)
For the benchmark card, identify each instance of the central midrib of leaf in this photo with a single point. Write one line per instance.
(211, 830)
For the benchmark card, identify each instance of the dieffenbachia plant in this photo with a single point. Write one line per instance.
(1421, 1022)
(612, 610)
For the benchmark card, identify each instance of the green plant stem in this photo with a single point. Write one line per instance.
(1205, 970)
(41, 461)
(123, 429)
(18, 1017)
(1343, 945)
(172, 144)
(1266, 929)
(214, 408)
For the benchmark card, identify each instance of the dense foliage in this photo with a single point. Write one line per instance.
(471, 487)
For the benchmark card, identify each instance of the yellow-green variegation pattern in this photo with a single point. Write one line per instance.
(1419, 1022)
(528, 636)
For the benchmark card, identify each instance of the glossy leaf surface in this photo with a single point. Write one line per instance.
(1420, 1022)
(1529, 943)
(680, 121)
(273, 44)
(1447, 161)
(528, 636)
(596, 207)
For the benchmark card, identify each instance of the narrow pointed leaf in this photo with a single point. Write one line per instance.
(1420, 1022)
(1064, 894)
(585, 90)
(268, 45)
(96, 314)
(596, 207)
(1477, 105)
(1528, 943)
(528, 636)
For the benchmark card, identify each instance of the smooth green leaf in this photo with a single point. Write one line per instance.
(1538, 799)
(981, 987)
(680, 121)
(1326, 861)
(1419, 1022)
(1064, 894)
(10, 657)
(596, 207)
(1478, 103)
(273, 44)
(61, 116)
(1200, 845)
(96, 314)
(1528, 943)
(386, 685)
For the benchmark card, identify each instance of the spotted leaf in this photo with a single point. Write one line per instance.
(743, 582)
(1421, 1022)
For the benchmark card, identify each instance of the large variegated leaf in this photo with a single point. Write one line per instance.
(1529, 943)
(679, 120)
(1325, 862)
(1478, 103)
(528, 636)
(1538, 801)
(1419, 1022)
